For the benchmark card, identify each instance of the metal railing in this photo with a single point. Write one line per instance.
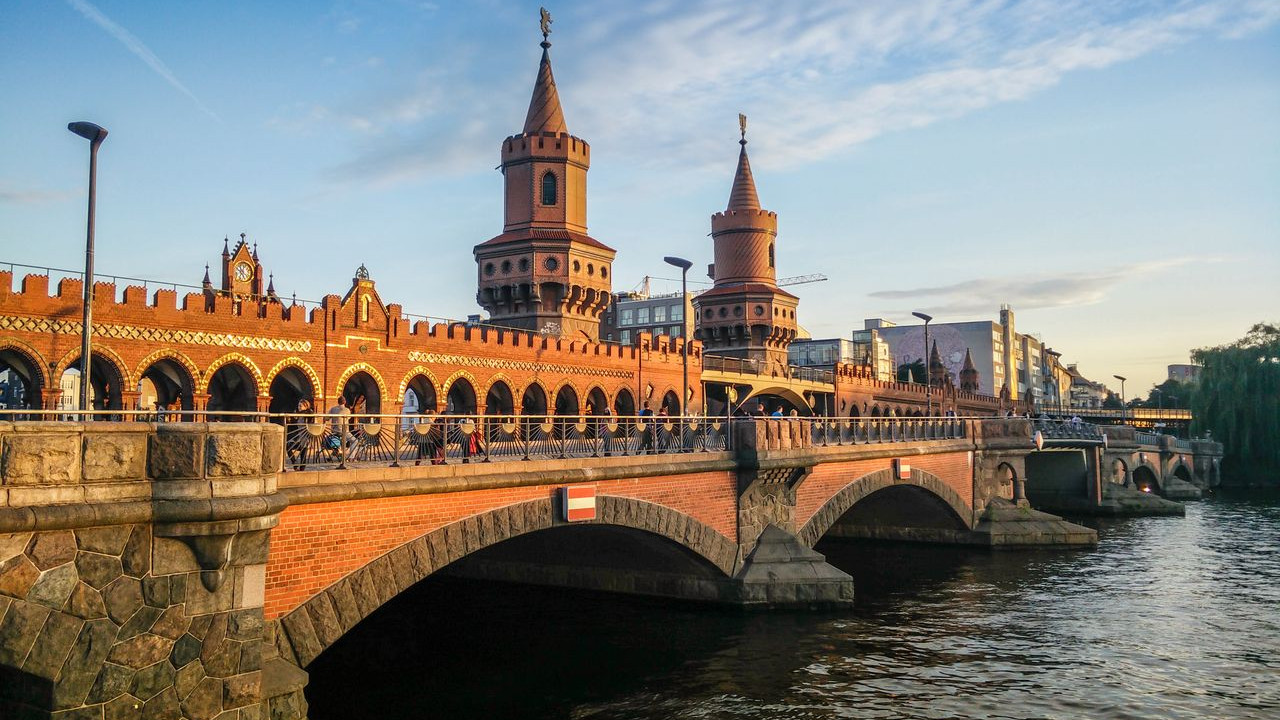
(327, 441)
(1146, 438)
(1067, 429)
(748, 366)
(866, 431)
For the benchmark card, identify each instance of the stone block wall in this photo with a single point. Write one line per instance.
(132, 569)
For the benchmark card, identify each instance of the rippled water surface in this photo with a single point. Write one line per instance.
(1168, 618)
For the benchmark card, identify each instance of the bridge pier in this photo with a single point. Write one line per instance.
(132, 569)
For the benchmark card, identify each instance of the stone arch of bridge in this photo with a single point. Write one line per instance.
(321, 620)
(624, 403)
(300, 365)
(27, 363)
(498, 397)
(1119, 471)
(422, 383)
(1146, 478)
(460, 393)
(108, 374)
(533, 399)
(878, 482)
(244, 361)
(1181, 471)
(793, 399)
(174, 376)
(371, 382)
(568, 401)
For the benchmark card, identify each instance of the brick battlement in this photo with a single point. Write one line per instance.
(558, 145)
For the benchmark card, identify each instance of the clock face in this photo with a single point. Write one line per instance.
(244, 272)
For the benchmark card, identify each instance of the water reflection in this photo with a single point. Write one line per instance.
(1168, 618)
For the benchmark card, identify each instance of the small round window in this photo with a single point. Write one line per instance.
(524, 264)
(591, 269)
(759, 310)
(488, 268)
(604, 271)
(577, 266)
(506, 266)
(551, 264)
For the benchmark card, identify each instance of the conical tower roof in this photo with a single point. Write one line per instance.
(743, 196)
(545, 115)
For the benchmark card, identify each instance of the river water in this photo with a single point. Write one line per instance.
(1167, 618)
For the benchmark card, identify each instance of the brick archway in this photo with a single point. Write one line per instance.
(865, 486)
(309, 629)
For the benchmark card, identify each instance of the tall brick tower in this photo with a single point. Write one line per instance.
(544, 273)
(745, 314)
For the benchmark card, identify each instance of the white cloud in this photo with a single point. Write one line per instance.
(1026, 292)
(815, 79)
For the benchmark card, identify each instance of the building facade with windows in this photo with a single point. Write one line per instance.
(631, 313)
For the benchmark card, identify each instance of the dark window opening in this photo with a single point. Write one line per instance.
(549, 189)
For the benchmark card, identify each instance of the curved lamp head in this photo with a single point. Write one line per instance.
(922, 316)
(678, 262)
(89, 131)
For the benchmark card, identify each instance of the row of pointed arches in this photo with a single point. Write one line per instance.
(168, 381)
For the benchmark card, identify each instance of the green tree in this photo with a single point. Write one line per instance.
(1238, 399)
(911, 372)
(1169, 394)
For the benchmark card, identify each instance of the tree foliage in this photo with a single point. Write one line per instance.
(1169, 394)
(911, 372)
(1238, 399)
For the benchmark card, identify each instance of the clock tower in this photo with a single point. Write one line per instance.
(241, 270)
(544, 273)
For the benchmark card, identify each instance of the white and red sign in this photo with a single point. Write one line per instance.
(579, 502)
(902, 470)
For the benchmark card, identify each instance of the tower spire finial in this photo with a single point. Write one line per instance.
(545, 20)
(743, 195)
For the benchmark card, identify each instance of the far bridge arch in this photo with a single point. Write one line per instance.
(925, 502)
(312, 627)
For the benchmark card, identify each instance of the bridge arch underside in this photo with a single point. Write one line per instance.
(1146, 479)
(633, 547)
(880, 507)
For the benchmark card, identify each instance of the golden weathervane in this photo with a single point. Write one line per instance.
(742, 125)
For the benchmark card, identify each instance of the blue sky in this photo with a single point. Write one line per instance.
(1112, 170)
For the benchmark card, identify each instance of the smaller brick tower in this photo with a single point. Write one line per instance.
(544, 273)
(969, 380)
(745, 314)
(938, 374)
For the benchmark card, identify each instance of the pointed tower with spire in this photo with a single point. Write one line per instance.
(970, 382)
(938, 374)
(745, 314)
(544, 273)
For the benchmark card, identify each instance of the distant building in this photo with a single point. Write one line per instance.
(633, 312)
(1085, 393)
(1185, 373)
(982, 340)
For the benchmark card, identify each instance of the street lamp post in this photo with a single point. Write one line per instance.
(1124, 416)
(684, 266)
(95, 134)
(928, 387)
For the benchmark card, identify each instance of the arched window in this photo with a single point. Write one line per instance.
(770, 254)
(549, 189)
(364, 308)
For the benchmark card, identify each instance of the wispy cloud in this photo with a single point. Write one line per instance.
(28, 196)
(816, 79)
(139, 49)
(1027, 292)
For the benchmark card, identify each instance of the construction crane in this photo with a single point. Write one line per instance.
(642, 288)
(802, 279)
